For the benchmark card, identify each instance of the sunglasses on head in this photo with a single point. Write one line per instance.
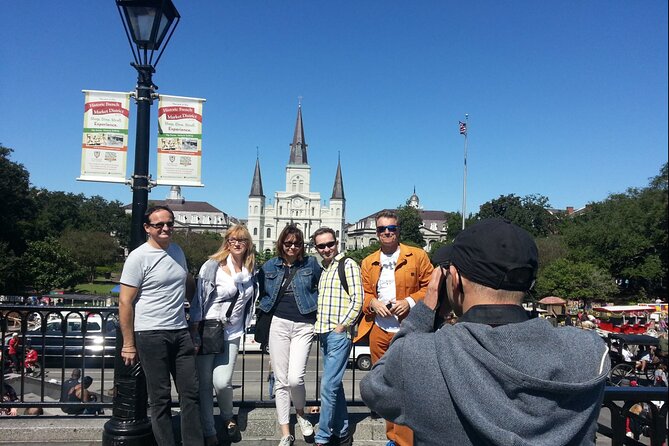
(289, 244)
(326, 245)
(162, 224)
(382, 229)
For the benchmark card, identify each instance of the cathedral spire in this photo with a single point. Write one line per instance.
(298, 149)
(256, 185)
(338, 188)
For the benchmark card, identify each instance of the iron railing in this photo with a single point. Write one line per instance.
(91, 346)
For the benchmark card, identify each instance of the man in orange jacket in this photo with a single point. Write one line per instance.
(394, 278)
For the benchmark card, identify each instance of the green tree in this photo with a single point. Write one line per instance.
(91, 249)
(197, 247)
(529, 212)
(16, 202)
(626, 234)
(359, 254)
(575, 280)
(454, 224)
(410, 222)
(551, 248)
(47, 265)
(10, 281)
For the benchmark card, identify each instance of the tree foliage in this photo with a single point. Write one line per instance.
(575, 280)
(16, 202)
(410, 222)
(47, 265)
(551, 248)
(359, 254)
(91, 249)
(626, 234)
(529, 212)
(454, 224)
(197, 247)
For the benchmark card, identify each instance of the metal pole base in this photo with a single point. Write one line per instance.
(128, 433)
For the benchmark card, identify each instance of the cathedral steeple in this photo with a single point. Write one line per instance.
(338, 188)
(256, 185)
(298, 149)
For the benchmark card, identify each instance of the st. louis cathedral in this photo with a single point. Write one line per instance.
(297, 203)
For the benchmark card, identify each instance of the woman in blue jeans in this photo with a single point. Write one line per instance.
(226, 290)
(289, 287)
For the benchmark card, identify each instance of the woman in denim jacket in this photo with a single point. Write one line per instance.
(227, 273)
(294, 303)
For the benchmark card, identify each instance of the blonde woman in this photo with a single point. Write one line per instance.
(226, 290)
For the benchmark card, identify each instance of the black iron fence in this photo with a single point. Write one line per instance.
(84, 337)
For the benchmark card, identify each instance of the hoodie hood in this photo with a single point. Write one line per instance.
(507, 378)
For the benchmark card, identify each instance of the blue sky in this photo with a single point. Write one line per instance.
(565, 99)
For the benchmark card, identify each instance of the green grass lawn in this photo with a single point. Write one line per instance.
(101, 288)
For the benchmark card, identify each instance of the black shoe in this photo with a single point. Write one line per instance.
(234, 434)
(343, 441)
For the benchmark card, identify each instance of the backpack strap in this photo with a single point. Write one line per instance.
(341, 269)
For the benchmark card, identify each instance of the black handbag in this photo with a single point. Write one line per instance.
(264, 320)
(212, 332)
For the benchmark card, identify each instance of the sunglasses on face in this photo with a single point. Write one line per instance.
(288, 245)
(326, 245)
(161, 225)
(382, 229)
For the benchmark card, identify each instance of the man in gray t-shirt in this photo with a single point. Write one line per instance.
(153, 323)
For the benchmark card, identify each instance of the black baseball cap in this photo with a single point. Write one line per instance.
(495, 253)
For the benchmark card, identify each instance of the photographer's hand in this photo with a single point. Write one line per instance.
(432, 296)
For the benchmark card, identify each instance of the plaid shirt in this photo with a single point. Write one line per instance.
(334, 305)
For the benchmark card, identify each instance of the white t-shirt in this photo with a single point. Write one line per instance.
(386, 290)
(225, 291)
(160, 278)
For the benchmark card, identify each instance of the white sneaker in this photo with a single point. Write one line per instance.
(286, 441)
(305, 426)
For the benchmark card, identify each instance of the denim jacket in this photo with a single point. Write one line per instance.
(305, 283)
(206, 289)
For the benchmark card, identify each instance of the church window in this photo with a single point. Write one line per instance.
(255, 209)
(280, 210)
(338, 212)
(313, 211)
(433, 226)
(337, 233)
(255, 231)
(301, 185)
(269, 232)
(294, 189)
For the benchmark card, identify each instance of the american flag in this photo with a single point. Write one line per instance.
(463, 128)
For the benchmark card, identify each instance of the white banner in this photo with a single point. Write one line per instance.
(179, 141)
(104, 148)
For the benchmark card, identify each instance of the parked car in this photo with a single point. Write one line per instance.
(63, 336)
(360, 356)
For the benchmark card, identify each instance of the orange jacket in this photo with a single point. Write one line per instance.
(412, 274)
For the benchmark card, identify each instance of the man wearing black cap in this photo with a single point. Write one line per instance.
(495, 377)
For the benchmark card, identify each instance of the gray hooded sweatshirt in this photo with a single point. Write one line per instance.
(525, 383)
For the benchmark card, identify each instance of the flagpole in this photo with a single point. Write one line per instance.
(464, 178)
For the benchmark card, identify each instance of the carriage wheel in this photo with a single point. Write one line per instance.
(620, 372)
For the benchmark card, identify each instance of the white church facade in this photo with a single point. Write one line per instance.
(297, 204)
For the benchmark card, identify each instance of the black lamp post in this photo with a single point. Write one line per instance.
(146, 23)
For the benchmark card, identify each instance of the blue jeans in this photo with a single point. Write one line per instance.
(334, 416)
(164, 353)
(215, 371)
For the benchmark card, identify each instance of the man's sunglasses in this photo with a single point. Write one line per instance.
(326, 245)
(162, 224)
(382, 229)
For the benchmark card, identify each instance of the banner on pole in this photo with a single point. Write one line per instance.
(180, 141)
(104, 148)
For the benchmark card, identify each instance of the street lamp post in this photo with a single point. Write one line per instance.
(149, 25)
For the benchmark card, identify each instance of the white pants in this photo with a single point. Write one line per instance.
(289, 348)
(216, 371)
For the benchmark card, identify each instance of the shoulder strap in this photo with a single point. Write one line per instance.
(286, 282)
(232, 305)
(341, 269)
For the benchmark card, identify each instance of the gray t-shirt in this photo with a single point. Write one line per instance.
(160, 277)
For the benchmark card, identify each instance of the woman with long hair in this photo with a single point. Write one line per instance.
(289, 290)
(226, 290)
